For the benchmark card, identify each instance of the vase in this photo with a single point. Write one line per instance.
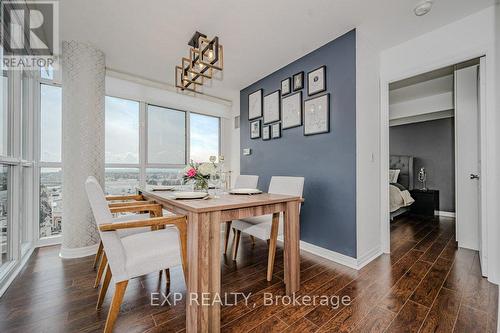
(200, 185)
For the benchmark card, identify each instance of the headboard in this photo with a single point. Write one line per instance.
(405, 164)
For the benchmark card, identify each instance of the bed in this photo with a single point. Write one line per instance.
(399, 196)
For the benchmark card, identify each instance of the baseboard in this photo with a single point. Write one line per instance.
(16, 271)
(330, 255)
(444, 214)
(80, 252)
(338, 257)
(369, 257)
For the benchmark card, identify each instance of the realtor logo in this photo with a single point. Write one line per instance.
(29, 34)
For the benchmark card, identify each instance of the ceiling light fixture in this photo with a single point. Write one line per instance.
(423, 7)
(205, 57)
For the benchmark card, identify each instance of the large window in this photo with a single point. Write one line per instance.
(149, 144)
(4, 215)
(122, 131)
(166, 136)
(50, 201)
(4, 115)
(50, 212)
(204, 137)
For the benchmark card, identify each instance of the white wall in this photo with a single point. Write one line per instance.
(235, 139)
(367, 146)
(470, 37)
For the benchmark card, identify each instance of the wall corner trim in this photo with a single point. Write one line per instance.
(354, 263)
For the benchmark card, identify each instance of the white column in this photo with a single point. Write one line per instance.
(83, 91)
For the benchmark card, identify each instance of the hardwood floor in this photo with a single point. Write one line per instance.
(426, 284)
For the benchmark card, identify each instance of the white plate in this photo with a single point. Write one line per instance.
(162, 188)
(189, 195)
(245, 191)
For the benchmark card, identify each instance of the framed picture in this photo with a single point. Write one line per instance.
(285, 86)
(298, 81)
(255, 105)
(316, 81)
(292, 110)
(272, 107)
(276, 130)
(317, 115)
(255, 129)
(266, 133)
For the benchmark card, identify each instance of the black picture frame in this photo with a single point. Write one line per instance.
(323, 86)
(272, 130)
(301, 108)
(304, 112)
(265, 119)
(268, 136)
(287, 80)
(299, 76)
(261, 104)
(257, 135)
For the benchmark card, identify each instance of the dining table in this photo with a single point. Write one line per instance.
(204, 218)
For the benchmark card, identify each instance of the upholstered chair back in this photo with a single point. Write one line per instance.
(246, 181)
(110, 239)
(286, 185)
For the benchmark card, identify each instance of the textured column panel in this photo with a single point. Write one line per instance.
(83, 92)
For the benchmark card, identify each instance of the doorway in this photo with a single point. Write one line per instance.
(444, 107)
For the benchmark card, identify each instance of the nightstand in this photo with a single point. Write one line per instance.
(426, 202)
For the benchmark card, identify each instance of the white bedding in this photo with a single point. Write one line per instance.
(398, 198)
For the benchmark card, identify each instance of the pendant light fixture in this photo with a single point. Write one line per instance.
(205, 57)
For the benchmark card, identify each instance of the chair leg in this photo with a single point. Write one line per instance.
(272, 246)
(98, 254)
(253, 239)
(236, 242)
(104, 288)
(228, 231)
(120, 288)
(102, 266)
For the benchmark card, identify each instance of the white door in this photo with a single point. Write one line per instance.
(467, 157)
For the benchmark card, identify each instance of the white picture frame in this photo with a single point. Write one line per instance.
(266, 133)
(255, 105)
(291, 112)
(272, 107)
(276, 130)
(316, 81)
(317, 115)
(255, 129)
(286, 86)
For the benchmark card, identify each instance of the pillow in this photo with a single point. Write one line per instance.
(394, 175)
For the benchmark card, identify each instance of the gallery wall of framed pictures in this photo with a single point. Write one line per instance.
(287, 108)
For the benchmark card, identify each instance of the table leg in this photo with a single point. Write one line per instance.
(203, 285)
(292, 250)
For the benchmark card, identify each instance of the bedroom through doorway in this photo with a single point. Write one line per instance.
(434, 160)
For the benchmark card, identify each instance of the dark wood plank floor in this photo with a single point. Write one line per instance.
(426, 284)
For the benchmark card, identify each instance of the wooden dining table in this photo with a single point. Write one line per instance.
(204, 217)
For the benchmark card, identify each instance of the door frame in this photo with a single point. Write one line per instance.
(487, 137)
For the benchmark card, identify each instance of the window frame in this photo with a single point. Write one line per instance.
(143, 164)
(56, 239)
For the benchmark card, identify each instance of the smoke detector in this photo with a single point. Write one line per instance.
(423, 7)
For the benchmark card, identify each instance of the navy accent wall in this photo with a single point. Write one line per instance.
(327, 161)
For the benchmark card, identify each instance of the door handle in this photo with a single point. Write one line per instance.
(473, 176)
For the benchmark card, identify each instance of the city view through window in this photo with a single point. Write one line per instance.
(122, 151)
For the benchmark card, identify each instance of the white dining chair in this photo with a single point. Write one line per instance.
(263, 227)
(246, 181)
(124, 204)
(137, 254)
(242, 181)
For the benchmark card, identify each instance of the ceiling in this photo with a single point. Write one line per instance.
(148, 38)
